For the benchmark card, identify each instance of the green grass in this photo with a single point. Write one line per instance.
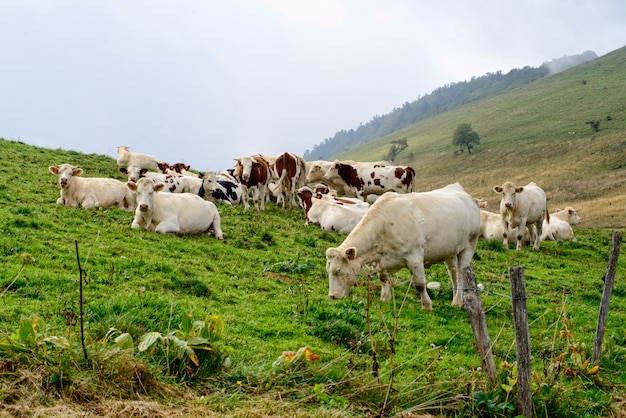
(268, 284)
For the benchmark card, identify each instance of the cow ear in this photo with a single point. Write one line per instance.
(131, 185)
(159, 186)
(497, 189)
(77, 171)
(143, 171)
(54, 169)
(351, 253)
(123, 170)
(519, 190)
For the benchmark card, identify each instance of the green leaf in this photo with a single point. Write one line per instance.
(125, 341)
(148, 339)
(186, 324)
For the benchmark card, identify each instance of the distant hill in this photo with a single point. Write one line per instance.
(441, 100)
(541, 132)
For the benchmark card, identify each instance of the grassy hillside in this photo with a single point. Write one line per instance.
(266, 285)
(535, 133)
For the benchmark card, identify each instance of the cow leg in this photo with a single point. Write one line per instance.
(452, 264)
(217, 229)
(168, 227)
(505, 234)
(520, 234)
(537, 237)
(419, 280)
(385, 290)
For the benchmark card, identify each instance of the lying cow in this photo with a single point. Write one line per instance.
(91, 192)
(491, 228)
(560, 226)
(522, 206)
(364, 178)
(411, 230)
(222, 189)
(339, 214)
(125, 157)
(174, 183)
(173, 213)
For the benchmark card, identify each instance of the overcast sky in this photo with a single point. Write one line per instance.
(207, 81)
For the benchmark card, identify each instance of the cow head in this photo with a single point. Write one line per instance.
(508, 191)
(343, 269)
(209, 181)
(65, 173)
(144, 191)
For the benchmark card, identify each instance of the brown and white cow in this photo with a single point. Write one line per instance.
(560, 226)
(290, 170)
(364, 178)
(520, 207)
(315, 171)
(91, 192)
(254, 173)
(125, 157)
(173, 213)
(173, 183)
(413, 230)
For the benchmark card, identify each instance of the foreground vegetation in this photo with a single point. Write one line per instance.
(190, 325)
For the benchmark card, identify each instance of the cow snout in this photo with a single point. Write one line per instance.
(143, 208)
(333, 296)
(63, 182)
(508, 204)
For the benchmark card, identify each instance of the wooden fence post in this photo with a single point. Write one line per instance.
(474, 308)
(609, 279)
(522, 340)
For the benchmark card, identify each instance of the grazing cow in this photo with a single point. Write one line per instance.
(173, 183)
(560, 226)
(125, 158)
(413, 230)
(222, 190)
(173, 213)
(522, 206)
(91, 192)
(290, 170)
(253, 173)
(372, 178)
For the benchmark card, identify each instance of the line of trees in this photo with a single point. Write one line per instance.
(439, 101)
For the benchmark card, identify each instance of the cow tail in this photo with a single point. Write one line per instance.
(547, 215)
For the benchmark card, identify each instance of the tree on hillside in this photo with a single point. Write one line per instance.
(465, 137)
(397, 146)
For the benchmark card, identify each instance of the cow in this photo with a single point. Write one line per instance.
(413, 230)
(315, 171)
(220, 189)
(125, 157)
(290, 170)
(91, 192)
(339, 214)
(173, 183)
(367, 178)
(173, 213)
(522, 206)
(254, 174)
(560, 226)
(491, 227)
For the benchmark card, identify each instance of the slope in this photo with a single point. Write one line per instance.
(538, 132)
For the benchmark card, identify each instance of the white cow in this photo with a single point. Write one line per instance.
(91, 192)
(413, 230)
(364, 178)
(522, 206)
(174, 183)
(125, 157)
(339, 214)
(560, 226)
(173, 213)
(491, 228)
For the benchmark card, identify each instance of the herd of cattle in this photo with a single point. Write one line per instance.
(388, 231)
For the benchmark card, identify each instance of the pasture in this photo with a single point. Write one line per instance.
(264, 291)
